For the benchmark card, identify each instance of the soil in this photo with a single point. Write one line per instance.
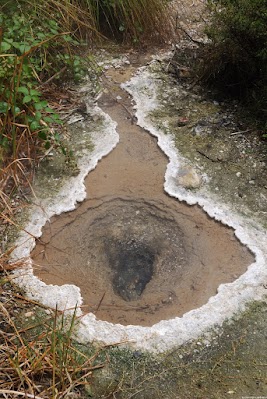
(138, 255)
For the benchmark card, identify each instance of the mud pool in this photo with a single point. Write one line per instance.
(137, 255)
(141, 265)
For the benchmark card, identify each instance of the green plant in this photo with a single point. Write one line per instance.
(235, 60)
(30, 54)
(39, 43)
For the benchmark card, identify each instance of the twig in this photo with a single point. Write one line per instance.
(53, 77)
(240, 132)
(187, 34)
(32, 302)
(26, 395)
(101, 300)
(209, 158)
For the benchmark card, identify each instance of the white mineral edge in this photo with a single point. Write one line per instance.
(230, 299)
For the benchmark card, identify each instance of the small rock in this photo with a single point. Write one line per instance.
(238, 174)
(188, 177)
(28, 314)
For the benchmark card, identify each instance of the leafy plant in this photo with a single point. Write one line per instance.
(30, 54)
(39, 42)
(235, 60)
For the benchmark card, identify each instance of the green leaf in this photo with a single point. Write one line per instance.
(16, 45)
(34, 126)
(40, 105)
(67, 38)
(26, 99)
(53, 23)
(5, 46)
(4, 107)
(35, 99)
(57, 137)
(24, 48)
(41, 35)
(9, 40)
(24, 90)
(38, 116)
(48, 119)
(34, 92)
(47, 145)
(49, 110)
(42, 134)
(17, 110)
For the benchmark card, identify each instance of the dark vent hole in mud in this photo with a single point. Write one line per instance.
(132, 263)
(139, 261)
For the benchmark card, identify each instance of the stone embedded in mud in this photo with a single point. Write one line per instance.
(188, 177)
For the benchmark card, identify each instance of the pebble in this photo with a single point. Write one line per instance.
(238, 174)
(28, 314)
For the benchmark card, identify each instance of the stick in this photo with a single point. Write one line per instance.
(101, 300)
(26, 395)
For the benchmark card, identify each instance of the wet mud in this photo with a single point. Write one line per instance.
(137, 255)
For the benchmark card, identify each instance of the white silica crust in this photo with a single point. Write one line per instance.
(167, 334)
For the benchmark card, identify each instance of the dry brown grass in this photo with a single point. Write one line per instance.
(43, 363)
(38, 358)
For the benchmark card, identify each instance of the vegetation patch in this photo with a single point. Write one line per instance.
(235, 59)
(40, 47)
(38, 357)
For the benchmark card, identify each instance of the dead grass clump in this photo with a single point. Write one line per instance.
(135, 20)
(46, 366)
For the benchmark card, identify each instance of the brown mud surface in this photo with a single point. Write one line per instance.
(138, 255)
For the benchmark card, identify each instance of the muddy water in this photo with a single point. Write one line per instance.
(137, 255)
